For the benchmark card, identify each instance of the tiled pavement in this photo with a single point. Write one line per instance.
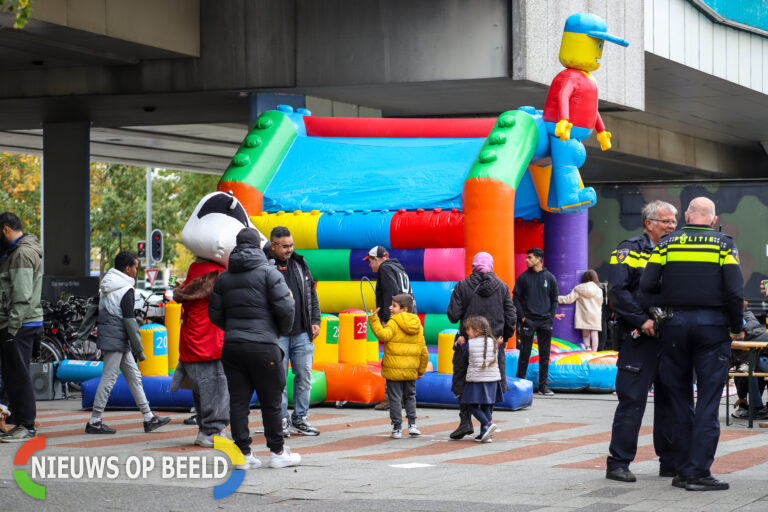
(549, 457)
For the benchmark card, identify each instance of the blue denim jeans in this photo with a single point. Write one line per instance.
(754, 392)
(300, 351)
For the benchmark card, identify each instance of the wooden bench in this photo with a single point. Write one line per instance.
(754, 348)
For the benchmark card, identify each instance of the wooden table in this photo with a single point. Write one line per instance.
(754, 348)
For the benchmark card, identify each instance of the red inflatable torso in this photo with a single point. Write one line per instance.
(572, 96)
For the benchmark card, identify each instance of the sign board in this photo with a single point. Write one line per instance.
(56, 288)
(150, 275)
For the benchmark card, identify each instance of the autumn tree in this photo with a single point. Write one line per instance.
(20, 189)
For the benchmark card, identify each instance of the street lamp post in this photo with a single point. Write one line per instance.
(118, 234)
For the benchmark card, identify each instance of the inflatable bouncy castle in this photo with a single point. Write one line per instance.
(433, 191)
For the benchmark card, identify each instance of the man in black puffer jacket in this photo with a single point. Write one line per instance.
(482, 293)
(253, 306)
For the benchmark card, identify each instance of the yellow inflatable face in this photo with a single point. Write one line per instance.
(580, 51)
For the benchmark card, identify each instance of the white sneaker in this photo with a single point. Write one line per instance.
(414, 430)
(285, 459)
(204, 440)
(251, 462)
(396, 433)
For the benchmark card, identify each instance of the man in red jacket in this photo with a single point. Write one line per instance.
(200, 347)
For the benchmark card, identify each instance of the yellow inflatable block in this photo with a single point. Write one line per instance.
(445, 352)
(327, 342)
(335, 296)
(173, 324)
(351, 350)
(154, 340)
(302, 225)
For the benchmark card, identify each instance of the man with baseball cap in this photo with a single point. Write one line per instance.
(391, 280)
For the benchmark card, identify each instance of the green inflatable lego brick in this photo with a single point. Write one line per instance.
(262, 150)
(507, 151)
(319, 387)
(434, 324)
(328, 264)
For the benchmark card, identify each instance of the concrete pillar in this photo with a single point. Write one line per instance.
(565, 255)
(66, 199)
(263, 101)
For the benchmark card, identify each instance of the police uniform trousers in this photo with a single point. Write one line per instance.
(695, 340)
(637, 364)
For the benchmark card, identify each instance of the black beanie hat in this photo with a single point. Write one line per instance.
(248, 236)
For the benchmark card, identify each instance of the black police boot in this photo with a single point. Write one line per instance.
(678, 481)
(666, 472)
(705, 483)
(620, 475)
(465, 425)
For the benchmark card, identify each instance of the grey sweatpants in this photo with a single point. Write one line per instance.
(113, 362)
(210, 393)
(397, 391)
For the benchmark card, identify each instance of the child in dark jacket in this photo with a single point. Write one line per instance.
(405, 360)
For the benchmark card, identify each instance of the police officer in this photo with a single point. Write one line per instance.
(697, 271)
(639, 352)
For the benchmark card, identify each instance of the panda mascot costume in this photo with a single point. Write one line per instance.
(210, 235)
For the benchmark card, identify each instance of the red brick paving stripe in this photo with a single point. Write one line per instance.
(438, 448)
(540, 449)
(647, 452)
(107, 419)
(323, 428)
(61, 414)
(179, 449)
(350, 443)
(742, 459)
(117, 439)
(335, 427)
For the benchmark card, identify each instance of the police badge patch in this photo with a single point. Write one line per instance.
(621, 255)
(735, 253)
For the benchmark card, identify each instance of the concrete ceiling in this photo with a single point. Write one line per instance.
(201, 131)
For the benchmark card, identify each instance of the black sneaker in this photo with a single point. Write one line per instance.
(98, 428)
(304, 427)
(155, 423)
(544, 390)
(192, 420)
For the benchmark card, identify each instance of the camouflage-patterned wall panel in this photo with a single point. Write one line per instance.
(742, 209)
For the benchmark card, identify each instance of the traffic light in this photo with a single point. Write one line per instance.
(156, 246)
(141, 250)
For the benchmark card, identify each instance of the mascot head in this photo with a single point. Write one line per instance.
(211, 230)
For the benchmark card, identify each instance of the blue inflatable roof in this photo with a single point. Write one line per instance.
(358, 174)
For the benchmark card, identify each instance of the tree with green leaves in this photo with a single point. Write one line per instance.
(20, 189)
(118, 203)
(21, 9)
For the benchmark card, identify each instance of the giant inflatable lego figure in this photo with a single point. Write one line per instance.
(570, 111)
(210, 234)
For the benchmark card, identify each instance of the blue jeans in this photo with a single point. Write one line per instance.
(754, 391)
(300, 351)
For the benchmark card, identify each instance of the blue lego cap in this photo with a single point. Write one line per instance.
(593, 26)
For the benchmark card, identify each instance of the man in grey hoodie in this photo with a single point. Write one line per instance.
(117, 325)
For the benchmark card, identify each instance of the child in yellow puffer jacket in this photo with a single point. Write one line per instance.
(405, 360)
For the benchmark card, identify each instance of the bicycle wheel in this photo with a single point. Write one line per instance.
(49, 351)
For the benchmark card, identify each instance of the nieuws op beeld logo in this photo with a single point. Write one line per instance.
(65, 467)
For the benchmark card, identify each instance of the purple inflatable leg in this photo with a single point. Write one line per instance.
(565, 255)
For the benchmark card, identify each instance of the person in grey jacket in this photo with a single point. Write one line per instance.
(253, 306)
(118, 339)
